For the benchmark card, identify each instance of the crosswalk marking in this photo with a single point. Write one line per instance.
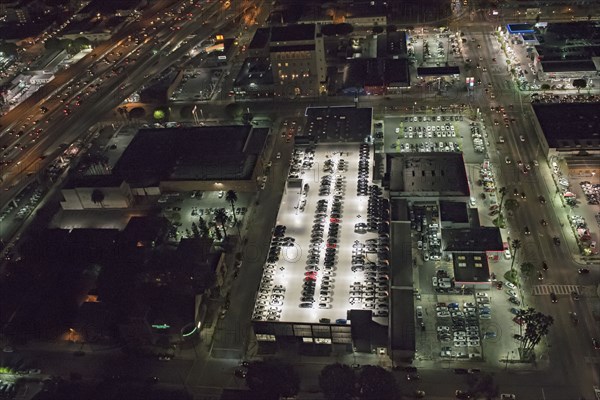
(539, 290)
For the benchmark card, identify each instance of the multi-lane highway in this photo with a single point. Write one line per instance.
(94, 87)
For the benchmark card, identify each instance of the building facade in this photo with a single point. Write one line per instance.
(297, 55)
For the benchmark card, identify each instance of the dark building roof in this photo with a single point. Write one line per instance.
(109, 7)
(255, 70)
(568, 65)
(364, 72)
(519, 28)
(569, 126)
(401, 257)
(94, 181)
(395, 44)
(260, 39)
(292, 33)
(430, 173)
(366, 333)
(349, 124)
(454, 211)
(84, 245)
(438, 71)
(145, 229)
(471, 268)
(292, 47)
(399, 209)
(196, 153)
(472, 240)
(402, 320)
(200, 250)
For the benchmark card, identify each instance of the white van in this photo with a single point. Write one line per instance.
(472, 202)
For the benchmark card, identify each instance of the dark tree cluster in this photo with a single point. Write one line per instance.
(341, 382)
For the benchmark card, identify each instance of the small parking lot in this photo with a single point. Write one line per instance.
(436, 133)
(188, 208)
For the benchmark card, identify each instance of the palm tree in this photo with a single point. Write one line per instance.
(515, 245)
(221, 218)
(502, 192)
(98, 197)
(232, 198)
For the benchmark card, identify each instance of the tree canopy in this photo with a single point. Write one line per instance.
(271, 379)
(337, 381)
(537, 325)
(579, 84)
(376, 383)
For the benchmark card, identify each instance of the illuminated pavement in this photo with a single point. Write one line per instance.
(299, 225)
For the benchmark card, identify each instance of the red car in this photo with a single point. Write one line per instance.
(518, 320)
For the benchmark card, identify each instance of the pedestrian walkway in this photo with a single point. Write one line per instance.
(540, 290)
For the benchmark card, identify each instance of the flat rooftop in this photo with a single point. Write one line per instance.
(260, 39)
(109, 7)
(477, 240)
(471, 268)
(339, 124)
(255, 70)
(569, 125)
(569, 65)
(196, 153)
(454, 211)
(293, 33)
(428, 173)
(438, 71)
(519, 28)
(362, 72)
(289, 270)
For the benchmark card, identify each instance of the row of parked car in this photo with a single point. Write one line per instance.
(270, 296)
(432, 118)
(459, 324)
(477, 138)
(302, 159)
(326, 219)
(363, 171)
(429, 240)
(371, 287)
(426, 147)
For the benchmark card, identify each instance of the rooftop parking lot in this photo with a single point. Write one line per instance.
(435, 133)
(329, 249)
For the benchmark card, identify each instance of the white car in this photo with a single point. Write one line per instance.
(522, 138)
(481, 294)
(510, 285)
(460, 343)
(507, 254)
(435, 281)
(473, 343)
(443, 314)
(443, 328)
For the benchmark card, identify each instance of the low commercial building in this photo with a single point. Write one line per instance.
(470, 249)
(338, 124)
(569, 132)
(375, 76)
(97, 192)
(426, 176)
(210, 158)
